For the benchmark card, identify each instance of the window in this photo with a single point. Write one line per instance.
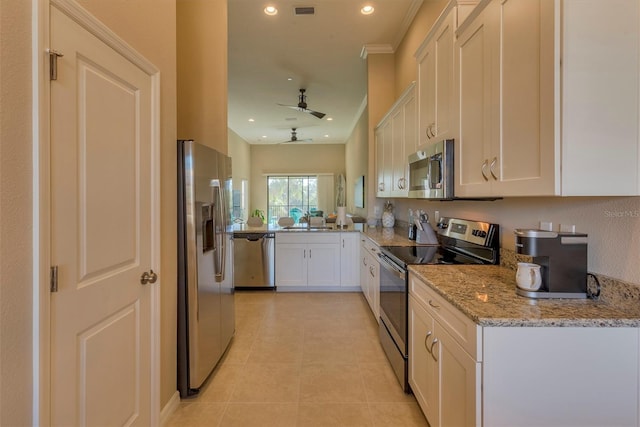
(291, 196)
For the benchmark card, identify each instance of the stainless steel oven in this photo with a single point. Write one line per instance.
(460, 242)
(393, 316)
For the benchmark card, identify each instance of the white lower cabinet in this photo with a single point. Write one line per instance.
(463, 374)
(308, 260)
(349, 259)
(370, 275)
(444, 378)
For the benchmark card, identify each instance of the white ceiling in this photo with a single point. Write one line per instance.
(320, 53)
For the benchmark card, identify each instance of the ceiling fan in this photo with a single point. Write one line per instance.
(302, 106)
(294, 138)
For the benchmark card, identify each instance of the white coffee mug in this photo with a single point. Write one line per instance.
(528, 276)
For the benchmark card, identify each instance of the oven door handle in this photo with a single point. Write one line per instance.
(390, 266)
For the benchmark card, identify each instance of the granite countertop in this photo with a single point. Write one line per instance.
(487, 295)
(389, 236)
(328, 228)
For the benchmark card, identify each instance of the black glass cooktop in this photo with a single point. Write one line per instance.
(408, 255)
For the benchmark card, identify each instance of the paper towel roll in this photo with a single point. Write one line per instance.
(341, 217)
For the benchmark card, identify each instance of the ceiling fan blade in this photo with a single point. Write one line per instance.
(315, 113)
(297, 140)
(304, 110)
(295, 107)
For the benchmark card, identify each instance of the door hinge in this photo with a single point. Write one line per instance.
(53, 63)
(53, 279)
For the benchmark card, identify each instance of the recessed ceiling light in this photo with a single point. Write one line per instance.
(289, 78)
(264, 136)
(326, 136)
(329, 118)
(251, 120)
(367, 10)
(270, 10)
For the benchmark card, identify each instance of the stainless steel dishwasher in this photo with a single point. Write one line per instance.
(253, 260)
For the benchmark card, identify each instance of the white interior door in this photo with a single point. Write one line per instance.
(101, 233)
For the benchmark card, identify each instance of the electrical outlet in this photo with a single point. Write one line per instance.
(546, 225)
(568, 228)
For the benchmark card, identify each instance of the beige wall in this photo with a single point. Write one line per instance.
(291, 159)
(380, 97)
(356, 161)
(202, 72)
(240, 153)
(406, 68)
(15, 214)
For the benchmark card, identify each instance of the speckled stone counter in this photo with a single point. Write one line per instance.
(329, 228)
(388, 236)
(487, 295)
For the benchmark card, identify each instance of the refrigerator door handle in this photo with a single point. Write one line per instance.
(222, 203)
(218, 217)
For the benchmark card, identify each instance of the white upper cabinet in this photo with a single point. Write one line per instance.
(384, 151)
(549, 98)
(436, 102)
(395, 141)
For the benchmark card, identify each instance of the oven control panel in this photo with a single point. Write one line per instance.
(480, 233)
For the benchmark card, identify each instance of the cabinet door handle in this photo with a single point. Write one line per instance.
(364, 261)
(484, 167)
(309, 253)
(433, 355)
(433, 305)
(381, 186)
(304, 253)
(426, 345)
(493, 163)
(371, 271)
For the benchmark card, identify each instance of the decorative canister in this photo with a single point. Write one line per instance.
(388, 220)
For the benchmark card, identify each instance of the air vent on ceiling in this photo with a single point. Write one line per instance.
(299, 11)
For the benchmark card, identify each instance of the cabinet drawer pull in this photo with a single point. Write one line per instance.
(484, 168)
(433, 355)
(426, 345)
(371, 271)
(493, 163)
(433, 305)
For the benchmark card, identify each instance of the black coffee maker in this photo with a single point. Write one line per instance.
(563, 260)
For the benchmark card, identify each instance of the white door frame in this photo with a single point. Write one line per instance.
(41, 365)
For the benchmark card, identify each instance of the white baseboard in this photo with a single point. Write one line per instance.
(169, 408)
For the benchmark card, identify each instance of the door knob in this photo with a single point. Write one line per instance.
(148, 277)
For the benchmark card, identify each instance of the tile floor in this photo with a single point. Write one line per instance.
(301, 359)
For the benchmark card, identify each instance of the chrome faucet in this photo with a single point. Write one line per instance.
(307, 218)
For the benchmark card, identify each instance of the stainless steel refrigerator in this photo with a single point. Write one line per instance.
(206, 314)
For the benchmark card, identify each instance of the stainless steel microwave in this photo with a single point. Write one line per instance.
(431, 172)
